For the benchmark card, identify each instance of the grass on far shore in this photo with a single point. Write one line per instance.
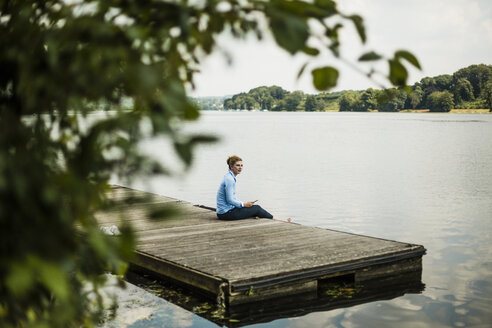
(453, 111)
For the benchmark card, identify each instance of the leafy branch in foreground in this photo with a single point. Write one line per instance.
(58, 58)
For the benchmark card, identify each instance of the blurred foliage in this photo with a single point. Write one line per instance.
(62, 59)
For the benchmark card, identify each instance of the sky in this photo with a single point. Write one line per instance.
(444, 35)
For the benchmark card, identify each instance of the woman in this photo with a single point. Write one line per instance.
(231, 208)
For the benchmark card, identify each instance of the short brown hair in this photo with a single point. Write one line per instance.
(231, 160)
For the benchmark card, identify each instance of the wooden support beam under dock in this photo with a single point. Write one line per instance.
(254, 259)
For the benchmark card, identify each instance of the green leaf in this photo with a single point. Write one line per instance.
(55, 279)
(184, 148)
(20, 279)
(158, 168)
(319, 9)
(207, 43)
(184, 151)
(408, 56)
(328, 5)
(359, 26)
(191, 112)
(325, 78)
(290, 31)
(203, 138)
(335, 49)
(310, 51)
(397, 72)
(370, 56)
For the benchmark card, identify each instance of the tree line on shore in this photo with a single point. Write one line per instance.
(275, 98)
(469, 88)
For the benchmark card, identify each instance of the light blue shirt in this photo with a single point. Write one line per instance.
(226, 196)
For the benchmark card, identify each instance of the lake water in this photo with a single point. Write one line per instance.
(418, 178)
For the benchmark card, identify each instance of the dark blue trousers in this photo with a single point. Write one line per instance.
(239, 213)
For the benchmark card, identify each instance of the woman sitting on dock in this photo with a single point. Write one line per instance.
(231, 208)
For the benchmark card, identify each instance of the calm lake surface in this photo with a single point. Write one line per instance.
(418, 178)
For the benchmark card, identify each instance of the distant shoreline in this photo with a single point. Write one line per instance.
(453, 111)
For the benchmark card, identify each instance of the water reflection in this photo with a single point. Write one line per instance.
(331, 295)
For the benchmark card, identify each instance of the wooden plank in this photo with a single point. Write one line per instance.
(272, 268)
(241, 235)
(189, 276)
(286, 251)
(206, 227)
(265, 265)
(225, 236)
(220, 249)
(139, 212)
(122, 195)
(318, 273)
(162, 238)
(302, 260)
(390, 269)
(257, 295)
(142, 224)
(264, 237)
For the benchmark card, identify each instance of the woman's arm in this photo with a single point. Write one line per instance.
(230, 194)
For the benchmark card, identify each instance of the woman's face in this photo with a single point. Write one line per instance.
(237, 167)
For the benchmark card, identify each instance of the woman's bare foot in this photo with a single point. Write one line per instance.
(286, 220)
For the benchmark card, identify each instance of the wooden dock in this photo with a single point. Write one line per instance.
(254, 259)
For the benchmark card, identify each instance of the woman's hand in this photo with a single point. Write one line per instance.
(249, 204)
